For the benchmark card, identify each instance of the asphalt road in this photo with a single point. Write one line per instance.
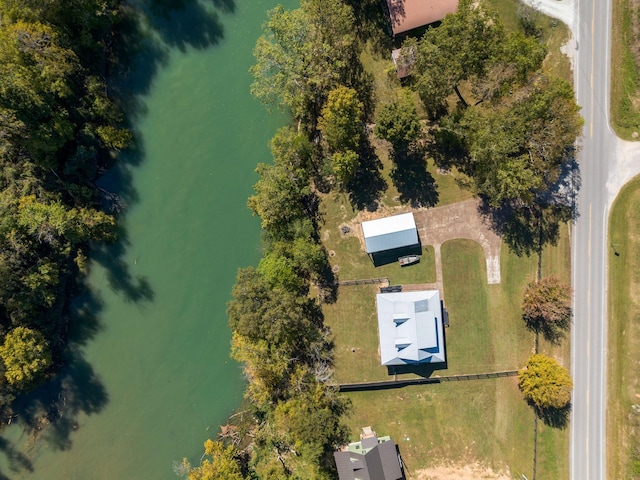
(597, 159)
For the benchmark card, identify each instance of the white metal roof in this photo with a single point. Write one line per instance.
(389, 233)
(410, 327)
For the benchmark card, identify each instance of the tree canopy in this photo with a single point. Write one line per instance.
(515, 127)
(546, 307)
(398, 123)
(220, 463)
(303, 54)
(545, 383)
(26, 356)
(59, 123)
(341, 120)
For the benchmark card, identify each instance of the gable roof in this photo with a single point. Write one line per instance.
(380, 462)
(410, 327)
(390, 232)
(406, 15)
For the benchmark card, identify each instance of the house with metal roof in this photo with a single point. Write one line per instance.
(406, 15)
(372, 458)
(410, 327)
(390, 233)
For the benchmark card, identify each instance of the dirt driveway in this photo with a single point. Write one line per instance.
(449, 222)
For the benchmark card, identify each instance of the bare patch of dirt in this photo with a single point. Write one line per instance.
(474, 471)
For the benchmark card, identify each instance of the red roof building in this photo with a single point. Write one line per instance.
(406, 15)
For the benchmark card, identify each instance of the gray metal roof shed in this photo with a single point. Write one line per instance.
(388, 233)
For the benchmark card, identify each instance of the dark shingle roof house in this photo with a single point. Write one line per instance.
(372, 458)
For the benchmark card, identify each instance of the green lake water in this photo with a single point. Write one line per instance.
(162, 363)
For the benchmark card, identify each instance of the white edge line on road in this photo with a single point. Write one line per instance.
(605, 340)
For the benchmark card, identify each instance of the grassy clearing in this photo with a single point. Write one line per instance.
(484, 421)
(625, 79)
(623, 369)
(452, 423)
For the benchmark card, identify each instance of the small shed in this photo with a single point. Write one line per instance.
(403, 63)
(389, 233)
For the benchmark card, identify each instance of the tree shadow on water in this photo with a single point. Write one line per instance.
(50, 413)
(188, 23)
(111, 257)
(16, 460)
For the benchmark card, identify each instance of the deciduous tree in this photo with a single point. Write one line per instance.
(341, 120)
(303, 54)
(220, 463)
(345, 165)
(26, 356)
(546, 307)
(398, 123)
(545, 383)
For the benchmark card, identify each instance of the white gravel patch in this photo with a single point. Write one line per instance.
(627, 166)
(563, 10)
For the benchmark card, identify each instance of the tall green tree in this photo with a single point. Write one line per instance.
(303, 54)
(398, 123)
(220, 463)
(514, 152)
(472, 46)
(341, 120)
(281, 198)
(26, 356)
(345, 166)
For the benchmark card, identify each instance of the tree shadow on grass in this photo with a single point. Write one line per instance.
(367, 186)
(526, 229)
(416, 185)
(554, 417)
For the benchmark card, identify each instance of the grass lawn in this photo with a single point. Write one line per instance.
(625, 79)
(483, 421)
(623, 368)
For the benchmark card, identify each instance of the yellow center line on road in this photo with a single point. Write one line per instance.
(593, 49)
(588, 319)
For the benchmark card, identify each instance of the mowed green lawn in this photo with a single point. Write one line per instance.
(484, 421)
(623, 369)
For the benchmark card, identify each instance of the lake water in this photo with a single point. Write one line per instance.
(162, 378)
